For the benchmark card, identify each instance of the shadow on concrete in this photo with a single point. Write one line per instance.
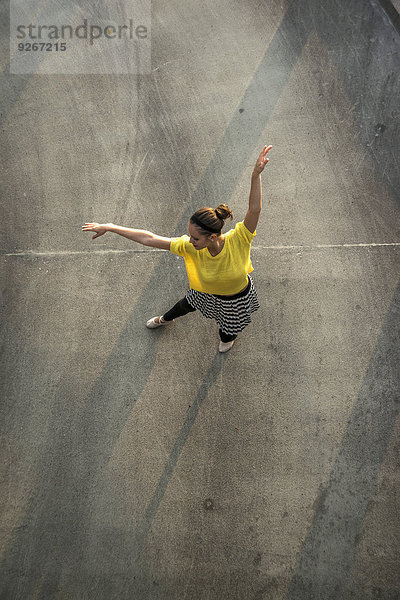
(50, 542)
(364, 45)
(328, 550)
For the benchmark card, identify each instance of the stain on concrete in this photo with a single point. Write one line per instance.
(208, 504)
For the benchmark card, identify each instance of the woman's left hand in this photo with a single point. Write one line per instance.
(262, 160)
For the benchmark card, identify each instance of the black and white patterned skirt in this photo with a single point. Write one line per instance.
(232, 313)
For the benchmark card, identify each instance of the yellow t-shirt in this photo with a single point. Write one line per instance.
(223, 274)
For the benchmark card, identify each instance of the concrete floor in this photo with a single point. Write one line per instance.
(143, 464)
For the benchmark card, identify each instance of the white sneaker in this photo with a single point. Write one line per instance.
(152, 323)
(225, 346)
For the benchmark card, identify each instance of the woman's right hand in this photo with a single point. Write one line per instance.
(99, 229)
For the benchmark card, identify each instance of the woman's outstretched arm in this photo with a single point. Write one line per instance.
(253, 213)
(146, 238)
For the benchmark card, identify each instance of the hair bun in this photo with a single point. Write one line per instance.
(211, 220)
(223, 212)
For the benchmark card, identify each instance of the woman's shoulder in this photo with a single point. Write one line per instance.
(241, 233)
(180, 245)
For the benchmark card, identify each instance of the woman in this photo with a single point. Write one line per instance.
(217, 265)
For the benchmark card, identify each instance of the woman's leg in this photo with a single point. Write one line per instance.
(178, 310)
(225, 337)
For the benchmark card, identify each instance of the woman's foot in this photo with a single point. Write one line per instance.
(157, 322)
(225, 346)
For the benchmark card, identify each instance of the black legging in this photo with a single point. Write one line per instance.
(183, 308)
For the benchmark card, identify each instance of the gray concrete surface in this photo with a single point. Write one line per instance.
(143, 464)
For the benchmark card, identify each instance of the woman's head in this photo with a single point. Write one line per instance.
(205, 225)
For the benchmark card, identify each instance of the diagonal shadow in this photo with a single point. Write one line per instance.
(328, 549)
(364, 46)
(215, 368)
(50, 543)
(392, 13)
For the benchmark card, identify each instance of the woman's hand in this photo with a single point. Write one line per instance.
(100, 229)
(262, 160)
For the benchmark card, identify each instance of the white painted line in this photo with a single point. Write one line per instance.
(109, 251)
(305, 247)
(72, 252)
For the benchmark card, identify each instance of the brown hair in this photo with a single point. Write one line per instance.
(211, 220)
